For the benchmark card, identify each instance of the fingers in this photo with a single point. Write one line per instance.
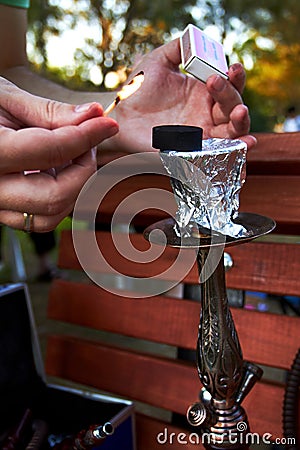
(237, 124)
(225, 96)
(38, 148)
(172, 51)
(167, 54)
(31, 110)
(230, 116)
(240, 125)
(38, 223)
(237, 76)
(220, 87)
(56, 132)
(250, 140)
(226, 93)
(237, 127)
(239, 120)
(40, 193)
(38, 134)
(47, 198)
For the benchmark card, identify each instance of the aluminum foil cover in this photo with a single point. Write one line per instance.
(207, 184)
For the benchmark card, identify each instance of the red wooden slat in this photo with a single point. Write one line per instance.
(271, 339)
(124, 372)
(274, 154)
(277, 197)
(264, 267)
(159, 382)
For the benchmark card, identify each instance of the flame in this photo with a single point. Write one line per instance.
(126, 91)
(131, 87)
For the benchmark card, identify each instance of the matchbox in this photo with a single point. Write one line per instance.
(201, 55)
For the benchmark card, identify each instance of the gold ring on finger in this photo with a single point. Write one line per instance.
(28, 222)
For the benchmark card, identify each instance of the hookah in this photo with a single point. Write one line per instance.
(206, 177)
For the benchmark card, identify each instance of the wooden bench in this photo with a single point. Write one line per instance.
(135, 354)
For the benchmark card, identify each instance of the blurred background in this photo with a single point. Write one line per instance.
(89, 44)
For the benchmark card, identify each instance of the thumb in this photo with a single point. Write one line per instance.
(32, 110)
(172, 51)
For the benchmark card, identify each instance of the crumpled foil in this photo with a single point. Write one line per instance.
(206, 185)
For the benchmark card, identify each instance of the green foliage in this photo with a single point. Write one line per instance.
(126, 28)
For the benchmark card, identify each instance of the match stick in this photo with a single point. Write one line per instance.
(112, 106)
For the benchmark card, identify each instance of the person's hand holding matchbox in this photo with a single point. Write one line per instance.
(168, 96)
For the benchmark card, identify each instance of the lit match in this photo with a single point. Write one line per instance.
(126, 91)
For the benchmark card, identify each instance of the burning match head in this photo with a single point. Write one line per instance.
(131, 87)
(126, 91)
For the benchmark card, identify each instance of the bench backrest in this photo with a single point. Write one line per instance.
(135, 354)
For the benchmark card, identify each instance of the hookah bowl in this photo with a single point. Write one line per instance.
(225, 376)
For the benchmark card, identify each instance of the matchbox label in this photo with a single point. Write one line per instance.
(209, 50)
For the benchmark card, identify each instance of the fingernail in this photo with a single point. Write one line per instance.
(219, 83)
(235, 67)
(82, 108)
(94, 151)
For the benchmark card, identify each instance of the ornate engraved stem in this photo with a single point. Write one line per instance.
(219, 355)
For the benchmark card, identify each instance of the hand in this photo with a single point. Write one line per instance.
(167, 96)
(39, 134)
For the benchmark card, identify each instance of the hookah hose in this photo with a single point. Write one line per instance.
(290, 404)
(40, 432)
